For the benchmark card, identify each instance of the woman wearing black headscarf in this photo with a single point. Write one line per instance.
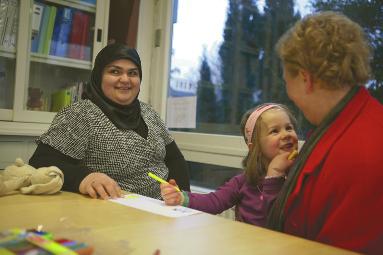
(110, 140)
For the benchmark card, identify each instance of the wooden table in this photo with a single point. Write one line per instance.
(112, 228)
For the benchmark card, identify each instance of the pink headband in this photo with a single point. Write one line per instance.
(250, 123)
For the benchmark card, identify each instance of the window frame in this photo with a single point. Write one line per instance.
(154, 44)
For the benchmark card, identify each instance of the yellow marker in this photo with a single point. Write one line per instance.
(155, 177)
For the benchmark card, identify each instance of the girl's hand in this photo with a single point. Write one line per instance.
(170, 195)
(279, 165)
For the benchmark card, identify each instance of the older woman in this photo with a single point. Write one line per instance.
(111, 140)
(334, 192)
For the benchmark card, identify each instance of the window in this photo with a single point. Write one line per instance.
(210, 176)
(229, 65)
(227, 62)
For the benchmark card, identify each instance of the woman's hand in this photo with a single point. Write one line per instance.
(170, 195)
(100, 185)
(279, 165)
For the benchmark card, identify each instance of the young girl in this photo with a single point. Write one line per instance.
(269, 133)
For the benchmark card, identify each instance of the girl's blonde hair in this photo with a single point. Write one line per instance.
(254, 163)
(333, 48)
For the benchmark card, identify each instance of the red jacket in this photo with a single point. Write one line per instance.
(338, 198)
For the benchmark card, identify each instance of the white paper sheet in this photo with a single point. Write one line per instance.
(154, 206)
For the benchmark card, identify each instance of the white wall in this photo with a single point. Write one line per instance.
(12, 147)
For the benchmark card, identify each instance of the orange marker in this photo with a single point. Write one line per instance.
(293, 155)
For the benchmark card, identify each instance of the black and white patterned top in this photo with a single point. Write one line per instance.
(82, 131)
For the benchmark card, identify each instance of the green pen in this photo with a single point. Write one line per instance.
(155, 177)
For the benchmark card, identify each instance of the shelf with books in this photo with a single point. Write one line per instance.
(61, 47)
(28, 77)
(60, 61)
(84, 5)
(70, 93)
(9, 12)
(42, 88)
(59, 30)
(9, 18)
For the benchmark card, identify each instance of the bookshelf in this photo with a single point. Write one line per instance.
(46, 47)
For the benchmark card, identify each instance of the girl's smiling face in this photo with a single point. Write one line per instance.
(277, 133)
(121, 81)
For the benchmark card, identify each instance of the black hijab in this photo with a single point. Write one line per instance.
(122, 116)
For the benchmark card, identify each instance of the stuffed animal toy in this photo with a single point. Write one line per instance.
(35, 101)
(22, 178)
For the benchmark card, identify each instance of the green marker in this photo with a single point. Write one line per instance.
(49, 245)
(155, 177)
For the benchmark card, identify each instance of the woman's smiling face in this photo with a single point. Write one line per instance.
(121, 81)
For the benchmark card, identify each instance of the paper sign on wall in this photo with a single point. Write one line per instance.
(181, 112)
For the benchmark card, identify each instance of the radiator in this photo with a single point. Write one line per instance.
(228, 214)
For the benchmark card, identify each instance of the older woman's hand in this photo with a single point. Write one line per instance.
(100, 185)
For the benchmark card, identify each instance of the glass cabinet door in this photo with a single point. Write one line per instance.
(61, 50)
(9, 16)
